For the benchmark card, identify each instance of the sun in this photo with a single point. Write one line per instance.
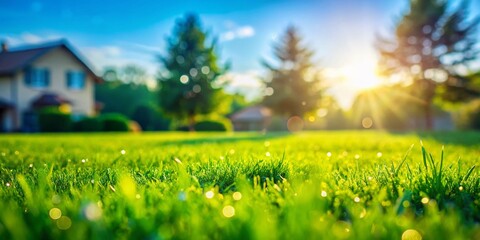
(361, 75)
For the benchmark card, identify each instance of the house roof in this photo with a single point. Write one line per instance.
(255, 113)
(17, 59)
(49, 99)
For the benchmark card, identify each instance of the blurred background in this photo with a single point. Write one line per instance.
(246, 66)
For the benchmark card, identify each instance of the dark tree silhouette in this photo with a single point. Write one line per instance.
(431, 49)
(290, 91)
(186, 87)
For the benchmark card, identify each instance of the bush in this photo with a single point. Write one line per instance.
(150, 118)
(88, 124)
(114, 122)
(52, 120)
(210, 125)
(468, 117)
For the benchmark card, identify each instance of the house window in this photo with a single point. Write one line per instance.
(37, 77)
(75, 80)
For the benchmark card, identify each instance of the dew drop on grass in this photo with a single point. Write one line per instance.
(460, 188)
(31, 165)
(237, 196)
(329, 154)
(324, 193)
(209, 194)
(425, 200)
(228, 211)
(357, 156)
(411, 234)
(379, 154)
(7, 184)
(267, 154)
(356, 199)
(83, 160)
(123, 152)
(137, 196)
(55, 213)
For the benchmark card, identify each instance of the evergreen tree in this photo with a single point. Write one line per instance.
(289, 91)
(187, 89)
(432, 48)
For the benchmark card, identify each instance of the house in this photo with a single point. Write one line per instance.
(256, 118)
(50, 74)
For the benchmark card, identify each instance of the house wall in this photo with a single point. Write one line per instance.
(59, 61)
(7, 117)
(5, 88)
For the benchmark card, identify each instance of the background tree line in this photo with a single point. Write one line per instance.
(428, 51)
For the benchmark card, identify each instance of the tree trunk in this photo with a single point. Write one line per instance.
(191, 122)
(428, 116)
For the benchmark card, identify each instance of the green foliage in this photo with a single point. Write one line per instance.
(188, 87)
(431, 45)
(52, 120)
(150, 118)
(124, 90)
(88, 124)
(468, 117)
(114, 122)
(290, 91)
(210, 125)
(332, 185)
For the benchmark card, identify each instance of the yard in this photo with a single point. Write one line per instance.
(314, 185)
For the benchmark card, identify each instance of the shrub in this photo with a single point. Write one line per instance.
(210, 125)
(88, 124)
(114, 122)
(150, 118)
(468, 117)
(182, 128)
(52, 120)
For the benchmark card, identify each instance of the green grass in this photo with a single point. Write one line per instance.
(327, 185)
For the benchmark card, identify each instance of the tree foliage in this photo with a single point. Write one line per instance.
(120, 95)
(187, 86)
(432, 47)
(290, 91)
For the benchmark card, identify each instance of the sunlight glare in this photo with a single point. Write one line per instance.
(362, 75)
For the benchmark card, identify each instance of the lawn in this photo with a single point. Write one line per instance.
(315, 185)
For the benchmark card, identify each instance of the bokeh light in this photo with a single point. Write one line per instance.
(367, 122)
(228, 211)
(295, 124)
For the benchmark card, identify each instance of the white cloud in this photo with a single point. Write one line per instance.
(30, 38)
(237, 33)
(246, 31)
(27, 38)
(246, 83)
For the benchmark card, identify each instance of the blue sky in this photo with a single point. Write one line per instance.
(121, 32)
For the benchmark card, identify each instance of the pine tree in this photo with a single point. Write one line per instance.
(290, 91)
(187, 88)
(431, 49)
